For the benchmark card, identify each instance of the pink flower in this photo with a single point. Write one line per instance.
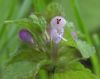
(57, 29)
(58, 22)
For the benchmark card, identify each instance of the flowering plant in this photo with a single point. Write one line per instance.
(49, 44)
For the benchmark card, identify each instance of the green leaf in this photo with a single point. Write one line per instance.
(19, 70)
(66, 55)
(85, 49)
(34, 23)
(40, 20)
(21, 23)
(34, 18)
(22, 69)
(27, 53)
(74, 71)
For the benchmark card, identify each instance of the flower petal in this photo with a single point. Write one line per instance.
(56, 36)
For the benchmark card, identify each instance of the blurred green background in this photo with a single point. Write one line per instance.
(85, 14)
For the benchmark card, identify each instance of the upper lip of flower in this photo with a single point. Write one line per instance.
(58, 20)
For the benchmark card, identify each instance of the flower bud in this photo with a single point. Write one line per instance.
(26, 36)
(74, 35)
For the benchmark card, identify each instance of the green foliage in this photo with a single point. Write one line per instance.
(37, 53)
(19, 70)
(85, 49)
(75, 71)
(42, 59)
(8, 33)
(34, 23)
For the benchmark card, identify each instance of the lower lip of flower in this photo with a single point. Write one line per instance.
(55, 36)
